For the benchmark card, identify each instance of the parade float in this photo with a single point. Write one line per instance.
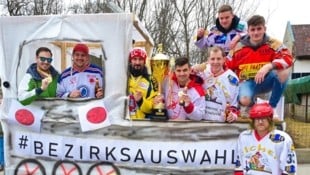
(58, 136)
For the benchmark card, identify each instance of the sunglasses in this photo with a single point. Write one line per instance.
(43, 59)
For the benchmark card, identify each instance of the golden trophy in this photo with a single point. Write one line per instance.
(159, 67)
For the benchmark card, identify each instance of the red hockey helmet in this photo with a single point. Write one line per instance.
(261, 110)
(137, 52)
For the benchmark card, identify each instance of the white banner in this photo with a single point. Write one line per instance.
(213, 153)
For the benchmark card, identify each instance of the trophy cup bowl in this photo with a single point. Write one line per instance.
(160, 67)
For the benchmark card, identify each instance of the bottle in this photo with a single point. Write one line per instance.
(227, 110)
(97, 86)
(132, 106)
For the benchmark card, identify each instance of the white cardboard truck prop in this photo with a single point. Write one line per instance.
(60, 140)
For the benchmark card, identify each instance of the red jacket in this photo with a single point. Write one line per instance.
(245, 59)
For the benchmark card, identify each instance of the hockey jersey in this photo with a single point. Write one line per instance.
(85, 81)
(144, 85)
(220, 91)
(221, 37)
(194, 90)
(274, 154)
(246, 59)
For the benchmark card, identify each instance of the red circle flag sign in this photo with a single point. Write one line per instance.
(96, 115)
(24, 117)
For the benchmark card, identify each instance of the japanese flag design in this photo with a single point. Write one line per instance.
(93, 116)
(26, 116)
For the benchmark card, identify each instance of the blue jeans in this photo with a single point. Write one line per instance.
(271, 83)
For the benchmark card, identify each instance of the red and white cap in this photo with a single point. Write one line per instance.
(137, 52)
(81, 47)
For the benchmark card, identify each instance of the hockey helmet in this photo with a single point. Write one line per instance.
(261, 110)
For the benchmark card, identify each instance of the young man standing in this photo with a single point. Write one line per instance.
(40, 80)
(261, 63)
(82, 79)
(183, 93)
(141, 90)
(225, 34)
(263, 149)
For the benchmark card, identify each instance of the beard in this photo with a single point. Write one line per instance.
(137, 70)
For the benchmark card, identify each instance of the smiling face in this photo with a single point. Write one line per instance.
(225, 19)
(42, 60)
(80, 59)
(216, 60)
(182, 73)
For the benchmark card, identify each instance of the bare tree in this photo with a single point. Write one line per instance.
(185, 12)
(16, 8)
(34, 7)
(161, 25)
(173, 23)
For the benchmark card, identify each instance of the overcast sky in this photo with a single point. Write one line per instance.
(278, 12)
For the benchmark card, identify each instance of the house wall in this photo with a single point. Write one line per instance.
(301, 66)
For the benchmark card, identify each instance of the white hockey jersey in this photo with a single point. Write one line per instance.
(219, 92)
(85, 81)
(273, 154)
(194, 90)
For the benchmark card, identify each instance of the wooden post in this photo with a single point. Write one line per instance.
(63, 45)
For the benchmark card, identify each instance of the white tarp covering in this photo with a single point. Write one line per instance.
(21, 36)
(58, 144)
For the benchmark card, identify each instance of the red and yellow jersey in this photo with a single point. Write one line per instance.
(246, 60)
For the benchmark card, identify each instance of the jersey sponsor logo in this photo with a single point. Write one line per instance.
(91, 78)
(220, 39)
(232, 80)
(84, 91)
(210, 93)
(248, 71)
(143, 85)
(290, 169)
(256, 162)
(277, 138)
(259, 148)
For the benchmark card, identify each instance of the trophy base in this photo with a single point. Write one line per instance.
(158, 115)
